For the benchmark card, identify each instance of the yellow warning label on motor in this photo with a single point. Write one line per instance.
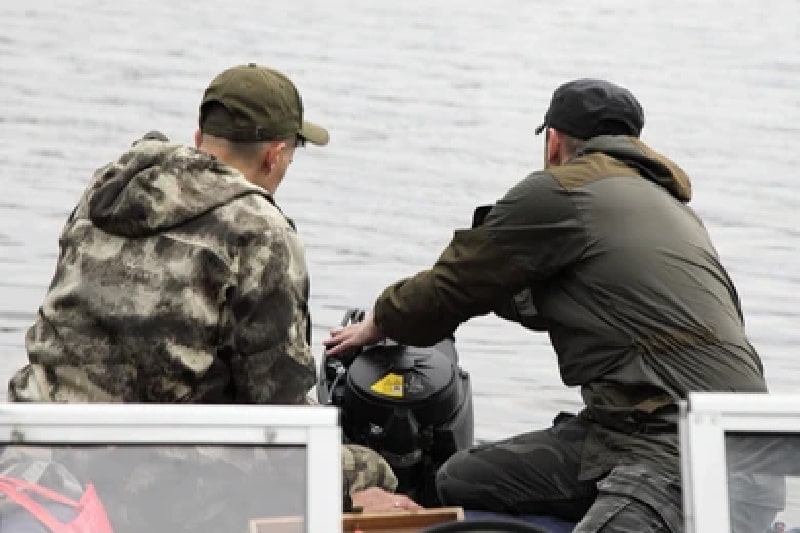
(389, 385)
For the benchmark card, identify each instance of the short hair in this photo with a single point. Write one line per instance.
(245, 149)
(572, 145)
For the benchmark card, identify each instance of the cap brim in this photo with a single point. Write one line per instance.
(540, 129)
(314, 134)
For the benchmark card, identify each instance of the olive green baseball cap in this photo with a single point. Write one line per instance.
(262, 104)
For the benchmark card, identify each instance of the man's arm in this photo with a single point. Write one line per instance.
(470, 278)
(525, 239)
(271, 360)
(368, 482)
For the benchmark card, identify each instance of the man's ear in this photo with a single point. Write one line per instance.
(553, 148)
(272, 154)
(198, 138)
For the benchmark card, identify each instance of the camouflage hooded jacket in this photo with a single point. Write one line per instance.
(177, 281)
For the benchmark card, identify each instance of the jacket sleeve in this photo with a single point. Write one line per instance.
(470, 277)
(528, 236)
(271, 360)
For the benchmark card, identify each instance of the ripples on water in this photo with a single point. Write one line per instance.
(432, 108)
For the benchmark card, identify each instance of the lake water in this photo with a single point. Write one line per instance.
(431, 108)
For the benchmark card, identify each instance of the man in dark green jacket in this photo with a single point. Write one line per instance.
(601, 250)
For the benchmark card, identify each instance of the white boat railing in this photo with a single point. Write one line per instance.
(740, 453)
(301, 444)
(725, 438)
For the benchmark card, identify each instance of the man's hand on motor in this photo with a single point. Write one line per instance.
(375, 499)
(353, 336)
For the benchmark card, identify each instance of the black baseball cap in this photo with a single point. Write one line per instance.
(263, 105)
(586, 108)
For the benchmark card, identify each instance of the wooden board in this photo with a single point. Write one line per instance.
(389, 522)
(399, 521)
(280, 524)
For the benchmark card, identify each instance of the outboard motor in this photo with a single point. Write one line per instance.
(412, 405)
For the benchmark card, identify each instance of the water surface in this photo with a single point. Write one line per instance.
(431, 107)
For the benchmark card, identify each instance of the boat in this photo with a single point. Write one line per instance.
(294, 451)
(156, 467)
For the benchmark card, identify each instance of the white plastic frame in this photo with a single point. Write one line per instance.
(704, 420)
(315, 428)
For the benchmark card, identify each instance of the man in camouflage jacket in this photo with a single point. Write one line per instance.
(180, 280)
(601, 250)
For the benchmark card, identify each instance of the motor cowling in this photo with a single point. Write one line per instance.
(412, 405)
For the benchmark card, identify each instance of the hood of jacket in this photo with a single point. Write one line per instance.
(645, 161)
(157, 185)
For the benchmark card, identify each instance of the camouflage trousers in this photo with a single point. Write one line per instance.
(363, 468)
(538, 473)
